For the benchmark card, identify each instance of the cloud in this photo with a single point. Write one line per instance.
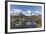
(15, 12)
(27, 13)
(37, 12)
(12, 12)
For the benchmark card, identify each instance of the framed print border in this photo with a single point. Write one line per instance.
(6, 17)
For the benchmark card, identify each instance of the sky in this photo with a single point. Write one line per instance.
(26, 7)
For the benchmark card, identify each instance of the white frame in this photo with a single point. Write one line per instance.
(28, 29)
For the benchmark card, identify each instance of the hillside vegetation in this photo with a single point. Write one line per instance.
(37, 19)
